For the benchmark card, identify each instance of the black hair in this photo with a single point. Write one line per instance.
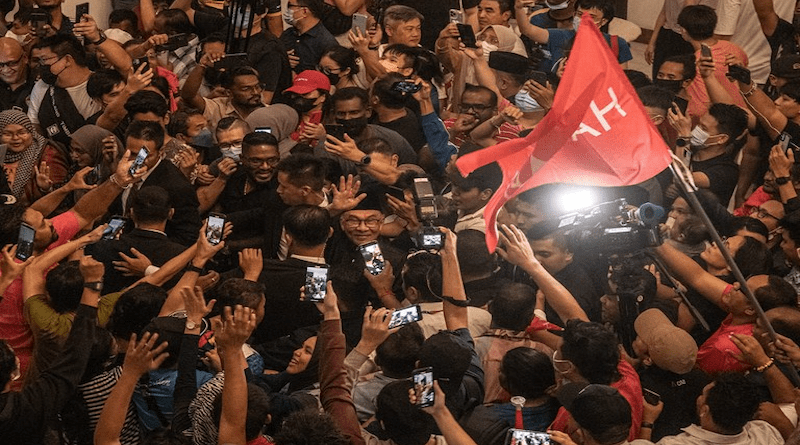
(732, 402)
(526, 372)
(176, 21)
(258, 408)
(63, 45)
(146, 101)
(400, 13)
(605, 6)
(118, 16)
(349, 93)
(687, 61)
(228, 78)
(315, 6)
(487, 177)
(474, 258)
(179, 121)
(166, 436)
(512, 307)
(698, 21)
(8, 363)
(146, 131)
(404, 423)
(791, 90)
(160, 83)
(397, 355)
(376, 145)
(785, 321)
(228, 122)
(344, 57)
(10, 222)
(135, 309)
(64, 285)
(151, 205)
(470, 88)
(777, 293)
(303, 170)
(102, 82)
(309, 427)
(252, 140)
(390, 98)
(426, 64)
(638, 79)
(592, 348)
(748, 223)
(308, 225)
(655, 97)
(237, 291)
(753, 257)
(423, 272)
(731, 120)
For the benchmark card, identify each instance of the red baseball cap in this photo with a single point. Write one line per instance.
(308, 81)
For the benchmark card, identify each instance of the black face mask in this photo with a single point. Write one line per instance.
(354, 127)
(301, 104)
(46, 75)
(673, 86)
(333, 78)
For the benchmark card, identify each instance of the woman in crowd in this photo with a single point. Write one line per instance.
(340, 64)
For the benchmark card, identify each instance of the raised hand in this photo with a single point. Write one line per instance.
(141, 357)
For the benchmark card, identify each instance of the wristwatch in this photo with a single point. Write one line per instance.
(102, 39)
(682, 142)
(365, 160)
(782, 180)
(94, 285)
(191, 325)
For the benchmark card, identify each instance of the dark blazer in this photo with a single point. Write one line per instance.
(185, 224)
(155, 246)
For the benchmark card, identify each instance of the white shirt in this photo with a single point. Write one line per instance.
(756, 432)
(85, 104)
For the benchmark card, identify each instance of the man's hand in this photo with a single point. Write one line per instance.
(313, 132)
(92, 237)
(227, 167)
(706, 67)
(450, 238)
(405, 209)
(157, 39)
(42, 172)
(786, 350)
(328, 307)
(560, 438)
(345, 196)
(78, 180)
(781, 163)
(679, 121)
(87, 27)
(359, 41)
(141, 358)
(233, 329)
(294, 59)
(346, 149)
(206, 250)
(651, 412)
(132, 266)
(475, 54)
(122, 173)
(438, 407)
(382, 283)
(10, 268)
(543, 94)
(449, 32)
(251, 261)
(203, 176)
(375, 329)
(464, 123)
(91, 270)
(649, 53)
(139, 79)
(208, 59)
(511, 114)
(752, 352)
(515, 247)
(424, 94)
(196, 307)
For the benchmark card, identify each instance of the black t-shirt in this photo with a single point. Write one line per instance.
(409, 127)
(783, 40)
(208, 23)
(268, 56)
(723, 174)
(437, 16)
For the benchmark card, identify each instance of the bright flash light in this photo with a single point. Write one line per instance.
(577, 199)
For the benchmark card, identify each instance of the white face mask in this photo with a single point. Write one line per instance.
(576, 22)
(525, 102)
(234, 152)
(288, 16)
(700, 137)
(487, 48)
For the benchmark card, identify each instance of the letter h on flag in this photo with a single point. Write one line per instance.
(597, 133)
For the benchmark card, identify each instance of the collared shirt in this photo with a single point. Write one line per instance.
(183, 59)
(717, 353)
(309, 259)
(472, 221)
(308, 46)
(218, 108)
(138, 185)
(756, 432)
(433, 319)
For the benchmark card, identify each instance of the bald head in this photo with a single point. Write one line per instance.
(14, 61)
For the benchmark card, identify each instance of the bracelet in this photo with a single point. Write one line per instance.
(192, 268)
(647, 425)
(765, 366)
(115, 181)
(752, 90)
(454, 302)
(497, 126)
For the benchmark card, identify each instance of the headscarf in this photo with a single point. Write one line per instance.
(507, 40)
(29, 157)
(283, 120)
(90, 138)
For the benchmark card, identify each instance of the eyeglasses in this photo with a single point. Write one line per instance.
(464, 107)
(327, 71)
(230, 145)
(20, 134)
(558, 361)
(10, 64)
(43, 60)
(256, 162)
(352, 222)
(763, 213)
(289, 5)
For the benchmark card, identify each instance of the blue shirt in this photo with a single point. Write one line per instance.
(560, 39)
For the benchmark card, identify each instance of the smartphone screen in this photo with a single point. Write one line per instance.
(525, 437)
(114, 227)
(316, 283)
(784, 140)
(423, 386)
(139, 161)
(335, 130)
(401, 317)
(433, 240)
(141, 61)
(373, 257)
(214, 228)
(25, 242)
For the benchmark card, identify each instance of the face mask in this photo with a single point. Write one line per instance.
(353, 127)
(202, 139)
(46, 75)
(288, 16)
(576, 22)
(525, 102)
(301, 104)
(557, 7)
(699, 137)
(20, 38)
(673, 86)
(487, 48)
(234, 152)
(333, 78)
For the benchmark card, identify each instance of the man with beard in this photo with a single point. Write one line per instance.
(242, 84)
(15, 81)
(675, 75)
(478, 104)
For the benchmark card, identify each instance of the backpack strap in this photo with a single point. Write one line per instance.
(615, 46)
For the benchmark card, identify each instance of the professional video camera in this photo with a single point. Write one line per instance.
(429, 237)
(613, 228)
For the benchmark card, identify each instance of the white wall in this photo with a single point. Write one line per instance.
(644, 12)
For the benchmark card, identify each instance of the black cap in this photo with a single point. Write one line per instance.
(508, 62)
(596, 408)
(373, 199)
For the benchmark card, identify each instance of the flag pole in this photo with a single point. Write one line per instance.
(685, 183)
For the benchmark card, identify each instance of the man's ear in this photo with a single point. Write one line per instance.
(750, 310)
(330, 233)
(305, 190)
(171, 213)
(685, 83)
(486, 194)
(166, 119)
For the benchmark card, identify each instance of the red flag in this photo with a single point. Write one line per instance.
(597, 133)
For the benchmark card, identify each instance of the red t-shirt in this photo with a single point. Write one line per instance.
(758, 197)
(630, 387)
(13, 328)
(717, 354)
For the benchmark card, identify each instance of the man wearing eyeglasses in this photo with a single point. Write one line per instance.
(306, 40)
(15, 83)
(478, 104)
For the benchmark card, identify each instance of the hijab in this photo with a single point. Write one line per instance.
(29, 157)
(90, 138)
(507, 40)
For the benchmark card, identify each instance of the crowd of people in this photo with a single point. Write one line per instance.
(210, 212)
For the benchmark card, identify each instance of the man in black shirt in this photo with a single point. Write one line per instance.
(307, 39)
(15, 83)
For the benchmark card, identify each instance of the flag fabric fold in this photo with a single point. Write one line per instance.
(597, 133)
